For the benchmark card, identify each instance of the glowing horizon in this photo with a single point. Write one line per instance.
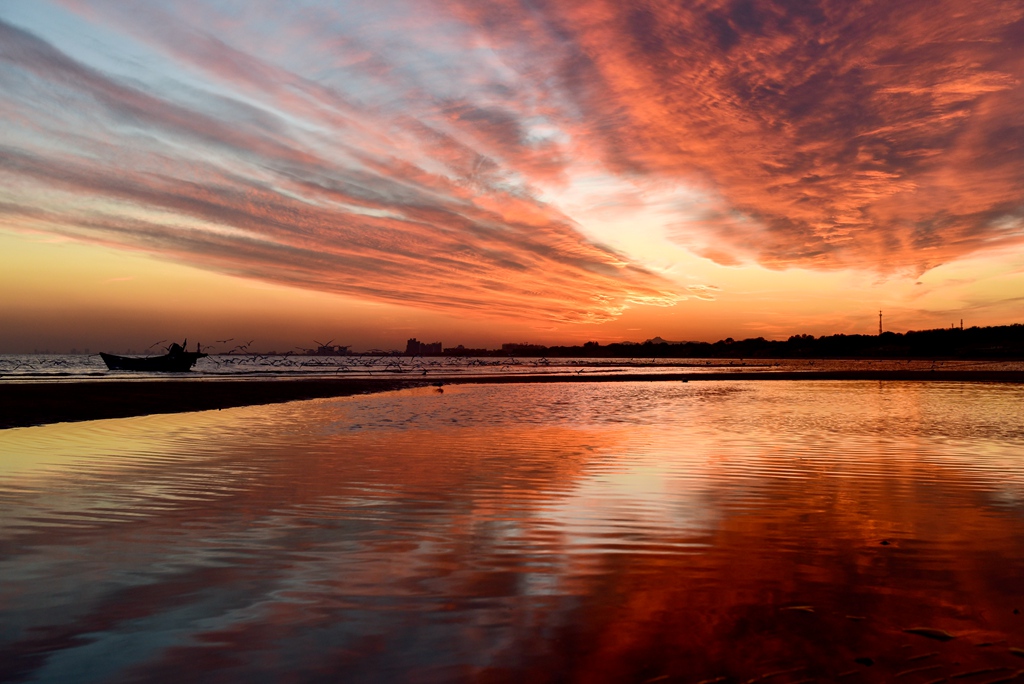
(480, 171)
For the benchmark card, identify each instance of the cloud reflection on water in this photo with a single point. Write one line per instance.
(605, 533)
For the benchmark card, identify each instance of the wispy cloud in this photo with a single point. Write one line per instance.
(413, 152)
(826, 134)
(705, 292)
(311, 191)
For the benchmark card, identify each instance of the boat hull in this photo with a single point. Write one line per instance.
(168, 363)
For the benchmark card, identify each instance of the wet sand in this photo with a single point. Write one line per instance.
(25, 404)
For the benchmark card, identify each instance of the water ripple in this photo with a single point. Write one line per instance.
(517, 533)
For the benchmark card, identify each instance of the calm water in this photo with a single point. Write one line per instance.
(628, 532)
(64, 367)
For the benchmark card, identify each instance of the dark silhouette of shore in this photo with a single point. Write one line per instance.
(36, 403)
(1004, 342)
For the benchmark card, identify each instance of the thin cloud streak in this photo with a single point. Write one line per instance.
(414, 152)
(826, 134)
(378, 226)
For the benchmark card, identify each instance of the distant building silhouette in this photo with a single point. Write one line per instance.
(416, 348)
(999, 342)
(329, 350)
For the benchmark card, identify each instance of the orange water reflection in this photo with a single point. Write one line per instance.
(628, 532)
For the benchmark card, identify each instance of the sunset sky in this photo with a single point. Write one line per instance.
(489, 171)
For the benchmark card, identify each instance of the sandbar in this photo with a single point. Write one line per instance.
(24, 404)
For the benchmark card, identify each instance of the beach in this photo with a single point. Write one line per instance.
(26, 403)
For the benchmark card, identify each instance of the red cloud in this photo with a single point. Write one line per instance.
(402, 158)
(351, 209)
(831, 134)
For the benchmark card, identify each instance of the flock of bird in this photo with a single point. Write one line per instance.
(368, 364)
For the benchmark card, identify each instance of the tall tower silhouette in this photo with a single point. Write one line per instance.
(879, 322)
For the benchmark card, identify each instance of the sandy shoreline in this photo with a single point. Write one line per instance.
(25, 404)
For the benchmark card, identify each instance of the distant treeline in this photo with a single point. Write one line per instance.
(998, 342)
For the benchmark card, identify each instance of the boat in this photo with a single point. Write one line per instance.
(176, 360)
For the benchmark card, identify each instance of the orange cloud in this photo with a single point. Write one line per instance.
(255, 196)
(829, 134)
(413, 152)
